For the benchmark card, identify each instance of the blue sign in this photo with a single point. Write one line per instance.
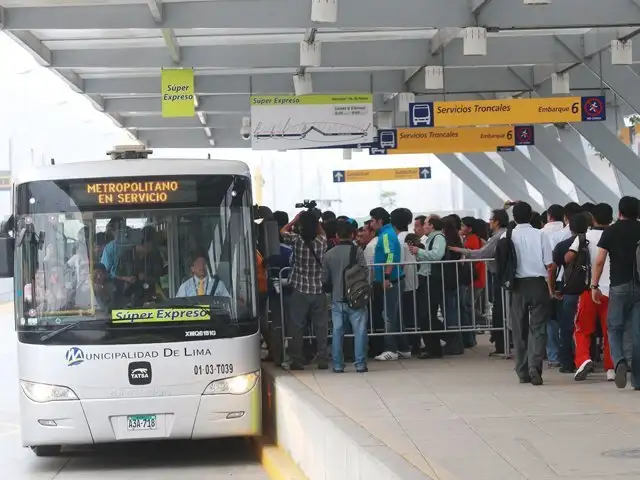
(421, 114)
(387, 138)
(377, 151)
(425, 173)
(594, 109)
(524, 135)
(339, 176)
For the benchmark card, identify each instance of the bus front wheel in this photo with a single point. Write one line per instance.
(46, 450)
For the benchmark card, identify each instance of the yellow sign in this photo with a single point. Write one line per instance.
(158, 315)
(417, 173)
(178, 93)
(465, 139)
(507, 112)
(135, 193)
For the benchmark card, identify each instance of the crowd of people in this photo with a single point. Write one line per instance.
(569, 275)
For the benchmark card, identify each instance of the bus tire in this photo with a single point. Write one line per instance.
(47, 450)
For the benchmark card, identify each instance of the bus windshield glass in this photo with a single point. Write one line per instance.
(135, 260)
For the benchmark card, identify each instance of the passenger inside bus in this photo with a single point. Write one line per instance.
(201, 282)
(140, 268)
(103, 288)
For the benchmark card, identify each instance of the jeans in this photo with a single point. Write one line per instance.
(624, 307)
(391, 314)
(567, 323)
(457, 316)
(553, 331)
(358, 320)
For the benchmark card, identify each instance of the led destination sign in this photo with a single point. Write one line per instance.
(135, 192)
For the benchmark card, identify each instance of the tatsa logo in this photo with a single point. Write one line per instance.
(74, 356)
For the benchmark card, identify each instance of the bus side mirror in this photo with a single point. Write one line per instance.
(7, 249)
(271, 238)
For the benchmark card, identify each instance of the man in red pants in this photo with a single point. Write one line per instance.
(588, 311)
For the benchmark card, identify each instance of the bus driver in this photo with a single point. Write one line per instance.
(201, 283)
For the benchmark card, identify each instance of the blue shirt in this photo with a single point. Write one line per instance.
(388, 250)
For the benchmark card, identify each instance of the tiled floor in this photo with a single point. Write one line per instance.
(467, 417)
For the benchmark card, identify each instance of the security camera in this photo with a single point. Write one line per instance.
(245, 129)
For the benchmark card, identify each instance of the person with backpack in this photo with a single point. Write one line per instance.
(575, 280)
(345, 269)
(523, 259)
(308, 301)
(620, 243)
(588, 311)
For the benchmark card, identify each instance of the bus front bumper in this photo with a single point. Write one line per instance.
(87, 421)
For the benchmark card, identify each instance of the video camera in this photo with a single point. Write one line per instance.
(309, 204)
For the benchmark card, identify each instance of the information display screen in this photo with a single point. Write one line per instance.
(150, 192)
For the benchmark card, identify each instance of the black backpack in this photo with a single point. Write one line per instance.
(357, 289)
(577, 275)
(506, 261)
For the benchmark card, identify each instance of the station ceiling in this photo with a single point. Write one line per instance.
(113, 52)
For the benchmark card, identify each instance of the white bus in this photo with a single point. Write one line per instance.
(135, 302)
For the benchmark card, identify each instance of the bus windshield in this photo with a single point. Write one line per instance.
(135, 260)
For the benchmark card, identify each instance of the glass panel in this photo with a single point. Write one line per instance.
(93, 269)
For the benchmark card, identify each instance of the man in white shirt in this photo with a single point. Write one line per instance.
(201, 284)
(589, 311)
(530, 297)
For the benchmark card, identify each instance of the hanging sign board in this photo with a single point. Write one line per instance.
(453, 140)
(347, 176)
(507, 112)
(178, 93)
(310, 121)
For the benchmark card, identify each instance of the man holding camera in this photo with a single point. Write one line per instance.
(308, 302)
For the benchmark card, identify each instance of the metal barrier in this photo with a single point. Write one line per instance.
(444, 306)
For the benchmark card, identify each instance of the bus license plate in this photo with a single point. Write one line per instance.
(141, 422)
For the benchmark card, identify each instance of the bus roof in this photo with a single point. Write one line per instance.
(132, 168)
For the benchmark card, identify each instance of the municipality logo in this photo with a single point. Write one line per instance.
(74, 356)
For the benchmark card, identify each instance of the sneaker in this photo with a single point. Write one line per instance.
(338, 370)
(296, 366)
(404, 355)
(611, 375)
(621, 374)
(554, 364)
(387, 356)
(583, 371)
(362, 370)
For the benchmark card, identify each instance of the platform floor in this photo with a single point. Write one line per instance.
(467, 417)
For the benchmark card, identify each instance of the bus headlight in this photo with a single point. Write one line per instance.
(233, 385)
(42, 393)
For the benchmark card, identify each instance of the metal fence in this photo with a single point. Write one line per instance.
(454, 302)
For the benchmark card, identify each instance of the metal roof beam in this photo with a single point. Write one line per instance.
(155, 7)
(530, 50)
(229, 104)
(458, 80)
(160, 123)
(499, 14)
(324, 82)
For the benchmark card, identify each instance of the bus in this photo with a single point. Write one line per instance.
(135, 301)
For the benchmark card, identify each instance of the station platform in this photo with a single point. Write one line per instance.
(458, 418)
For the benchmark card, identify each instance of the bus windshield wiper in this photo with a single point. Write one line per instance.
(50, 335)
